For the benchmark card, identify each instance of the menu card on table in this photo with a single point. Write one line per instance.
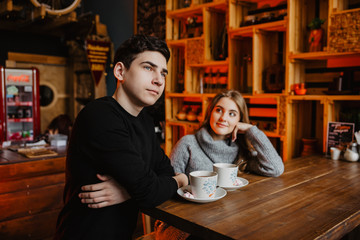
(339, 134)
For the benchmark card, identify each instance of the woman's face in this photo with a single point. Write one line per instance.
(224, 117)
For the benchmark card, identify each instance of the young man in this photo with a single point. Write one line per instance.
(113, 136)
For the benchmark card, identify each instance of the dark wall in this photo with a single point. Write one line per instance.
(118, 16)
(119, 19)
(29, 43)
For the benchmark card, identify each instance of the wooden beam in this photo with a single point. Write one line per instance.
(36, 58)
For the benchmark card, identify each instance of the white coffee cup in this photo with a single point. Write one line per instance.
(227, 174)
(335, 153)
(203, 184)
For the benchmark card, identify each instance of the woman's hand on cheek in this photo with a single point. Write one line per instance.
(240, 128)
(104, 194)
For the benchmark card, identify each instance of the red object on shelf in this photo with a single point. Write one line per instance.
(20, 104)
(300, 91)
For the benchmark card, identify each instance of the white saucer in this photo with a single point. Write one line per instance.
(242, 180)
(220, 193)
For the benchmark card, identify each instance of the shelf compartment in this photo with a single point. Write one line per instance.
(178, 108)
(176, 131)
(320, 78)
(306, 126)
(302, 12)
(212, 79)
(344, 110)
(176, 128)
(215, 34)
(269, 49)
(264, 112)
(184, 26)
(175, 80)
(195, 51)
(344, 35)
(241, 64)
(254, 13)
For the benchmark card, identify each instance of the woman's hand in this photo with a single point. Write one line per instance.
(240, 128)
(104, 194)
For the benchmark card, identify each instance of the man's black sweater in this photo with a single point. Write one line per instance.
(106, 139)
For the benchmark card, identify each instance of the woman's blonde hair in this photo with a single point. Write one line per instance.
(244, 144)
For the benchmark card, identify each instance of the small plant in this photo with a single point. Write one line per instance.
(316, 37)
(316, 23)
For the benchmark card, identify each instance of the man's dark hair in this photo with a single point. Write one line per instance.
(128, 50)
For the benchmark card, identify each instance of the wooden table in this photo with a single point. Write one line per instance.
(315, 198)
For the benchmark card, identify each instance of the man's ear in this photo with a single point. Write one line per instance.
(119, 71)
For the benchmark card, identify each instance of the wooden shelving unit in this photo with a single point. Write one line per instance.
(318, 107)
(253, 52)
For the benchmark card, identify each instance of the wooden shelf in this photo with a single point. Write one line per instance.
(175, 122)
(322, 97)
(196, 9)
(182, 95)
(176, 43)
(248, 31)
(181, 42)
(307, 97)
(322, 55)
(263, 95)
(346, 11)
(272, 134)
(210, 64)
(344, 97)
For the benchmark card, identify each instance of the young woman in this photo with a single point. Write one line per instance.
(226, 136)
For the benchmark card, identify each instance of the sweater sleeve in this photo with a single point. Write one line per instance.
(162, 165)
(267, 162)
(111, 151)
(180, 155)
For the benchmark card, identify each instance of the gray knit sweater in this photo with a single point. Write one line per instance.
(200, 152)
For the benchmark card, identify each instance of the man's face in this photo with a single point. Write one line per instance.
(144, 81)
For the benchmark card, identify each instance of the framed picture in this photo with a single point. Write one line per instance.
(149, 17)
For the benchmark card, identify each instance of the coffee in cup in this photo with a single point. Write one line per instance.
(203, 184)
(227, 174)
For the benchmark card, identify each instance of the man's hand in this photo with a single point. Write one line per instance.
(104, 194)
(181, 179)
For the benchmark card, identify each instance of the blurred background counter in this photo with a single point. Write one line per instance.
(30, 194)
